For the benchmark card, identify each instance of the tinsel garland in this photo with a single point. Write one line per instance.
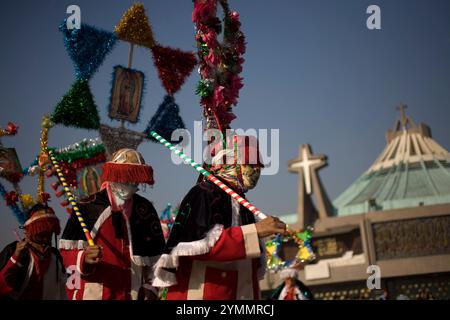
(87, 47)
(166, 120)
(173, 66)
(83, 144)
(305, 253)
(80, 154)
(134, 27)
(220, 63)
(89, 149)
(46, 125)
(19, 214)
(77, 108)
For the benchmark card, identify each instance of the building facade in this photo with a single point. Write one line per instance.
(393, 221)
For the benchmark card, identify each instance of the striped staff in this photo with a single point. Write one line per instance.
(209, 176)
(71, 198)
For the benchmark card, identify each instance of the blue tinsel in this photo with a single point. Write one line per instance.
(87, 47)
(166, 120)
(19, 214)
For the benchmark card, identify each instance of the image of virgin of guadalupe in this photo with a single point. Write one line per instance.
(126, 94)
(89, 180)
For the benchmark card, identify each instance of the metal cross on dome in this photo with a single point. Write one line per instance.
(308, 164)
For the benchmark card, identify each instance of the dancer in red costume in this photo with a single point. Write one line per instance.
(126, 231)
(214, 249)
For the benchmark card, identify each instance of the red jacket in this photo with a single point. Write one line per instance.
(126, 265)
(32, 278)
(229, 271)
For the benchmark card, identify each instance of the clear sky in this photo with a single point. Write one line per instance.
(312, 70)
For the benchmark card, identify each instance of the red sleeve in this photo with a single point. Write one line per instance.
(74, 258)
(8, 276)
(234, 243)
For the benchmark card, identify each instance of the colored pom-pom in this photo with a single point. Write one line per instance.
(135, 28)
(49, 173)
(55, 185)
(11, 129)
(59, 194)
(11, 198)
(27, 201)
(77, 108)
(64, 203)
(19, 214)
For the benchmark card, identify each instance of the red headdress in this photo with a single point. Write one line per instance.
(127, 166)
(42, 218)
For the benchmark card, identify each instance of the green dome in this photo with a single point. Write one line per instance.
(412, 170)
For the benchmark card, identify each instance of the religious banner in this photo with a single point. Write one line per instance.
(126, 94)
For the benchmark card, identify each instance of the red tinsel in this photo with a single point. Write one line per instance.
(174, 66)
(220, 63)
(11, 198)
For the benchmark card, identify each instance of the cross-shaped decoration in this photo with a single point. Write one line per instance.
(405, 122)
(402, 109)
(308, 164)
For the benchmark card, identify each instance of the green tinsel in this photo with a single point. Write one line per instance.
(203, 89)
(82, 153)
(77, 108)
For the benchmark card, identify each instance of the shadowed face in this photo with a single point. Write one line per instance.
(41, 241)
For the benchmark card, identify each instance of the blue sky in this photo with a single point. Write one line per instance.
(313, 70)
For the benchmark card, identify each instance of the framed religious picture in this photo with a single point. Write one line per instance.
(126, 94)
(10, 167)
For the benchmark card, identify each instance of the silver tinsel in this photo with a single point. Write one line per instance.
(85, 143)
